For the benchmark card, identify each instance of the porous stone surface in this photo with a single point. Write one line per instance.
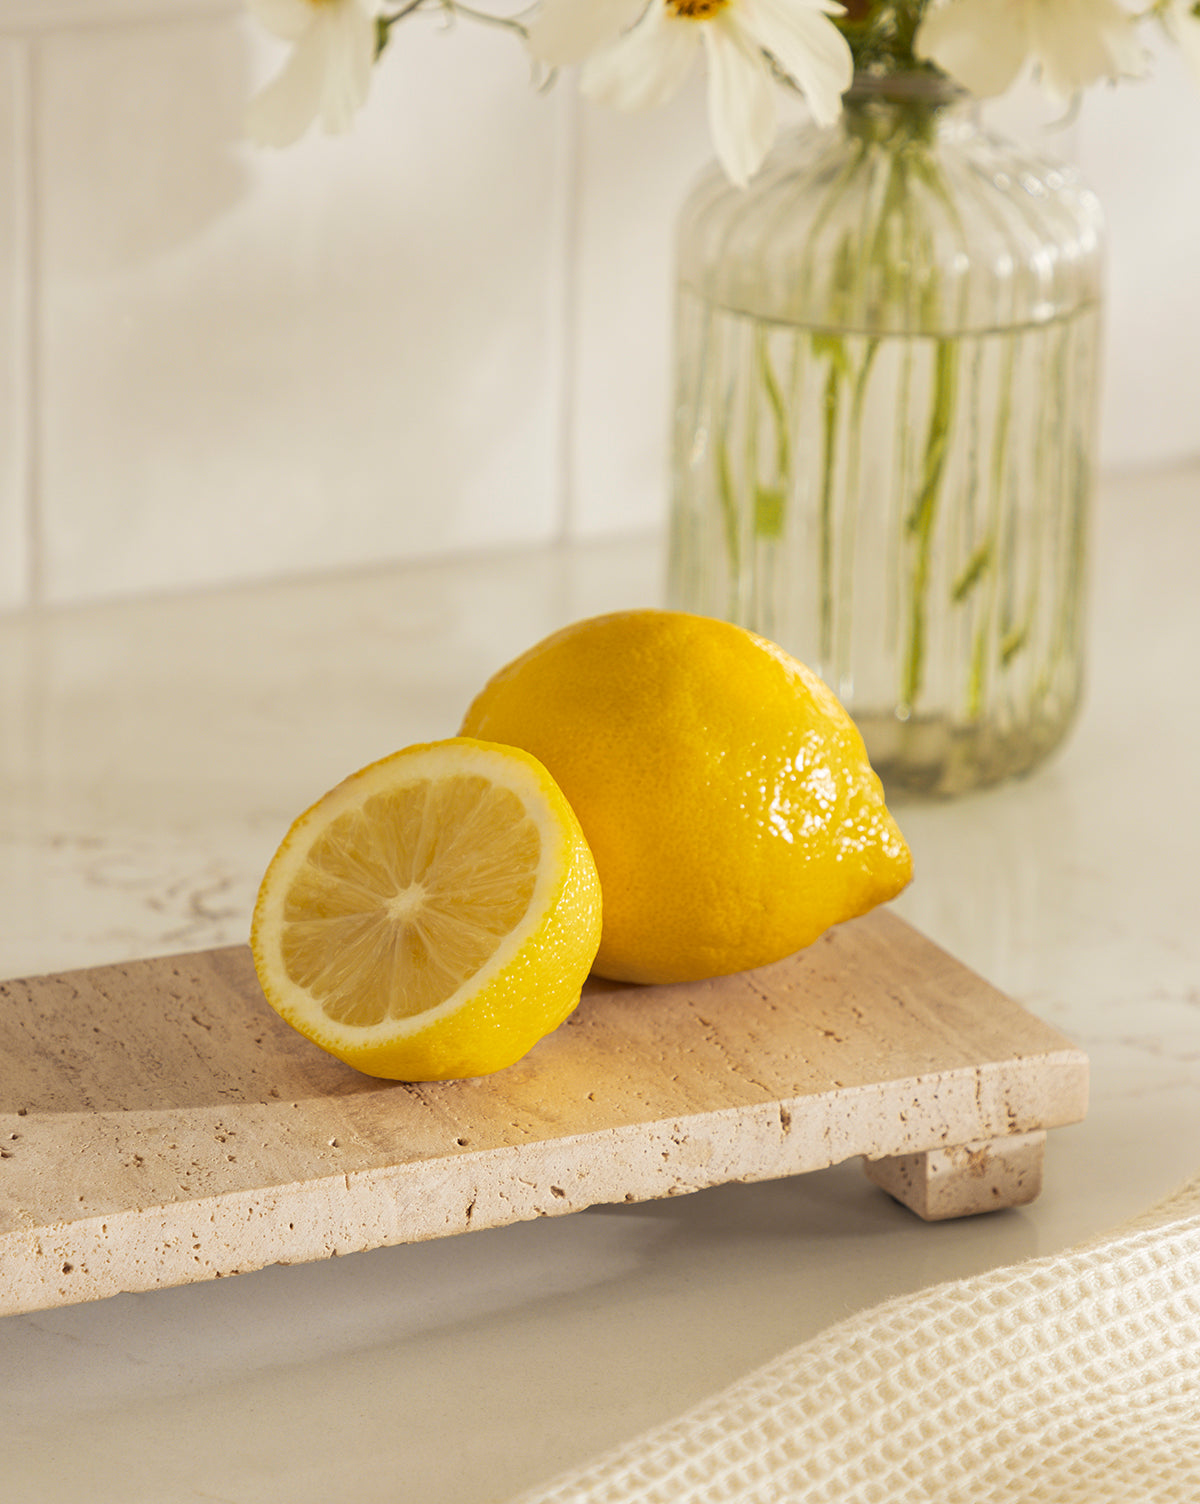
(964, 1179)
(160, 1125)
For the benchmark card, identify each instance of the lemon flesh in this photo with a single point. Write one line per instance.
(724, 791)
(433, 916)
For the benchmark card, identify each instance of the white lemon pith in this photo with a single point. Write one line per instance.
(433, 916)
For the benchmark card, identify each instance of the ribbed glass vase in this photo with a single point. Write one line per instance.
(888, 354)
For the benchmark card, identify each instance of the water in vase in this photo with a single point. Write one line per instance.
(906, 514)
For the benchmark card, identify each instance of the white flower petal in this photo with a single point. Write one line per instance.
(567, 31)
(285, 109)
(1183, 27)
(807, 46)
(1077, 42)
(288, 19)
(647, 66)
(980, 43)
(327, 74)
(349, 56)
(741, 99)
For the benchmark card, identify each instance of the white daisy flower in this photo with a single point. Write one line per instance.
(984, 44)
(327, 74)
(639, 53)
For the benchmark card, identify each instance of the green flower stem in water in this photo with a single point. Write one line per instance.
(828, 476)
(924, 513)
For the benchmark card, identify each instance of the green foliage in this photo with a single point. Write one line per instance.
(881, 35)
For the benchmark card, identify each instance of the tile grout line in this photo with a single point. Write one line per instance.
(566, 354)
(28, 320)
(27, 374)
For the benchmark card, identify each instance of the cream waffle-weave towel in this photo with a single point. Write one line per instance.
(1073, 1379)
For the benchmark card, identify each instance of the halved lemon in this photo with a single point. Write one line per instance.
(433, 916)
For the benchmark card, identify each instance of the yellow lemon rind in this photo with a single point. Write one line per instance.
(698, 755)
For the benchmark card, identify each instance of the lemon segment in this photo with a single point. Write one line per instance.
(433, 916)
(724, 791)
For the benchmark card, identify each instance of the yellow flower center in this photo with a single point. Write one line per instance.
(696, 10)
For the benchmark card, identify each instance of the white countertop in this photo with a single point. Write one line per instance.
(151, 755)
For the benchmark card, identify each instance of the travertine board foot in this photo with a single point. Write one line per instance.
(984, 1176)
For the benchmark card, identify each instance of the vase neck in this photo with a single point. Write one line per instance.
(891, 107)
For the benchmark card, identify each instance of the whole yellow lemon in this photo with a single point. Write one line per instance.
(724, 792)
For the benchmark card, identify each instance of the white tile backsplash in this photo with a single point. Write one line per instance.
(449, 330)
(628, 201)
(260, 363)
(1140, 148)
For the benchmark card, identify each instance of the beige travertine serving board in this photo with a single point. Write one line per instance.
(160, 1125)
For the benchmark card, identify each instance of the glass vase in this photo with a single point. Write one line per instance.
(888, 354)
